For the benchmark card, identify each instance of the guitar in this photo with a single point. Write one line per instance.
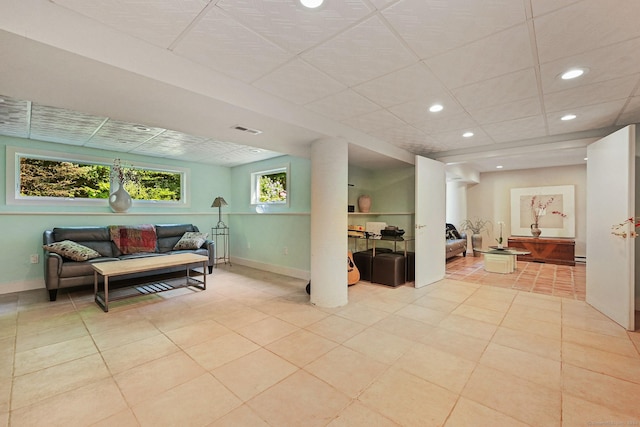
(353, 274)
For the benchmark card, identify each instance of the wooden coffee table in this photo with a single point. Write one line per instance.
(138, 265)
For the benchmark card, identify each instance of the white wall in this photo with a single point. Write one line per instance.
(491, 198)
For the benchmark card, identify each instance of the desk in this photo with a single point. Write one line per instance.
(501, 260)
(395, 240)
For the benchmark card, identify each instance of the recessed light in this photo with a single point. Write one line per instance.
(435, 108)
(256, 150)
(142, 128)
(573, 73)
(499, 167)
(568, 117)
(311, 4)
(467, 134)
(586, 158)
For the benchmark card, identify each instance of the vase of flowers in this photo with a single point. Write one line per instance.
(120, 200)
(499, 239)
(538, 210)
(476, 226)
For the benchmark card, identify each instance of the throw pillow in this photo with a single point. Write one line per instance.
(450, 228)
(72, 250)
(191, 240)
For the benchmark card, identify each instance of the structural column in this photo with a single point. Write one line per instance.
(329, 245)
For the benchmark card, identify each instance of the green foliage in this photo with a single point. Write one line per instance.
(50, 178)
(273, 188)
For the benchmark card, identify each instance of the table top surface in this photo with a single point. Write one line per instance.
(503, 251)
(136, 265)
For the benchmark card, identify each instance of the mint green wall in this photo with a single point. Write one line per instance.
(392, 194)
(259, 236)
(22, 225)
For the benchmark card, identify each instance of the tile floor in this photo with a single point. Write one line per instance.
(252, 351)
(548, 279)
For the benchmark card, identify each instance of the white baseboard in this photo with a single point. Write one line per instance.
(278, 269)
(9, 288)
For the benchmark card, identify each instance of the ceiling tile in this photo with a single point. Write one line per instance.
(446, 123)
(159, 21)
(590, 117)
(404, 135)
(292, 26)
(64, 126)
(518, 129)
(578, 27)
(621, 59)
(418, 111)
(343, 105)
(500, 90)
(492, 56)
(375, 121)
(14, 117)
(591, 94)
(408, 84)
(299, 83)
(509, 111)
(631, 112)
(361, 53)
(431, 27)
(121, 136)
(455, 140)
(221, 43)
(540, 7)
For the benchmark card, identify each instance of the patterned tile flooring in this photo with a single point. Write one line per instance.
(548, 279)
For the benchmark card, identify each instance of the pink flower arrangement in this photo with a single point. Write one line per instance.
(122, 172)
(539, 208)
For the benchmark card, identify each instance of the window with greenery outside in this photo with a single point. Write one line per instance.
(68, 179)
(273, 188)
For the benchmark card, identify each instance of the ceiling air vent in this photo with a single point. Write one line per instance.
(246, 129)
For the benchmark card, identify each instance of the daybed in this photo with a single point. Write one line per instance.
(456, 242)
(78, 247)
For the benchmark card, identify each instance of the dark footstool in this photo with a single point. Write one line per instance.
(388, 269)
(411, 265)
(364, 261)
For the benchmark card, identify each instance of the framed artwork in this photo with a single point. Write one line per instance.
(553, 207)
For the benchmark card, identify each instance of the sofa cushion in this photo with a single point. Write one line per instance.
(131, 239)
(190, 240)
(451, 232)
(169, 234)
(72, 250)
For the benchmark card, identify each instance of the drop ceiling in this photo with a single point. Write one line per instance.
(174, 78)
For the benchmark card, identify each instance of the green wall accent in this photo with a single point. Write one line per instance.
(23, 225)
(261, 234)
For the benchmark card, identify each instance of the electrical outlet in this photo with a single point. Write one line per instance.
(34, 259)
(285, 250)
(248, 245)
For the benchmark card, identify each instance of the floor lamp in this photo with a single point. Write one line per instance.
(219, 202)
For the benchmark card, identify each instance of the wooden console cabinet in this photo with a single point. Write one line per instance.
(553, 251)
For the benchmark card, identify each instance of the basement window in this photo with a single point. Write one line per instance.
(38, 177)
(270, 187)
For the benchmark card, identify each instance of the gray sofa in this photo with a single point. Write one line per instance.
(61, 272)
(456, 242)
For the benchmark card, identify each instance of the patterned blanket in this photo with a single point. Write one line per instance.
(131, 239)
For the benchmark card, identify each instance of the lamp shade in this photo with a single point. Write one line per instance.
(219, 202)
